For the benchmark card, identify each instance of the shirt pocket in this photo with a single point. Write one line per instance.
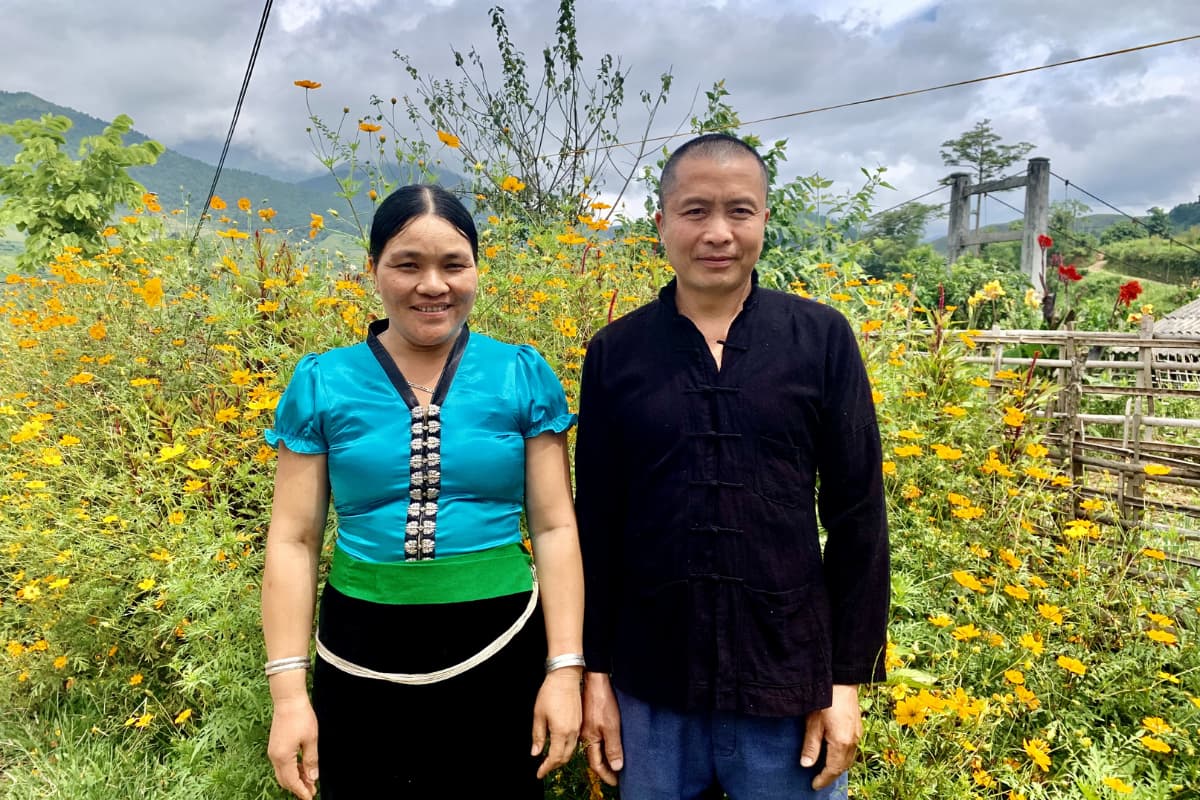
(779, 474)
(783, 638)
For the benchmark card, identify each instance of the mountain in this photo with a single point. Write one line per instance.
(180, 179)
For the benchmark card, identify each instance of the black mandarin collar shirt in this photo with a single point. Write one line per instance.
(698, 500)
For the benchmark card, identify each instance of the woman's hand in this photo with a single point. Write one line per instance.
(558, 712)
(294, 736)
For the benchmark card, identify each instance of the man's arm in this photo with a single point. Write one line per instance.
(599, 507)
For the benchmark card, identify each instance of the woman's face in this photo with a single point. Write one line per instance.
(426, 278)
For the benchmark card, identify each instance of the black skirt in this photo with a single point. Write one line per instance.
(468, 736)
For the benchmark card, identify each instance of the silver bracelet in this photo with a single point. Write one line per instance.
(285, 665)
(565, 660)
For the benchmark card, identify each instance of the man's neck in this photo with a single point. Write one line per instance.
(708, 310)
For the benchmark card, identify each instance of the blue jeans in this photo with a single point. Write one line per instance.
(675, 756)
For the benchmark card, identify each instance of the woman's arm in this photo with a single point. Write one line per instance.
(298, 514)
(551, 517)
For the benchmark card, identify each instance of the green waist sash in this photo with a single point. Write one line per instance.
(496, 572)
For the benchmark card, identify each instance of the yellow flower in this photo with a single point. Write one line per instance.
(1014, 676)
(889, 467)
(1156, 469)
(1092, 505)
(1051, 612)
(947, 453)
(60, 662)
(1018, 592)
(1117, 785)
(968, 581)
(136, 679)
(97, 331)
(448, 139)
(199, 463)
(147, 584)
(368, 127)
(1038, 752)
(1150, 552)
(183, 716)
(169, 451)
(910, 711)
(941, 621)
(266, 214)
(1036, 451)
(954, 411)
(910, 434)
(1163, 637)
(144, 720)
(1155, 745)
(1156, 725)
(511, 184)
(1072, 665)
(1032, 643)
(971, 512)
(175, 518)
(307, 84)
(1027, 698)
(965, 633)
(907, 450)
(1014, 417)
(1160, 619)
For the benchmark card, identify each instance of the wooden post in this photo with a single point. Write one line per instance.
(1136, 488)
(1037, 220)
(960, 213)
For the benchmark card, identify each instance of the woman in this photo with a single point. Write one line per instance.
(431, 439)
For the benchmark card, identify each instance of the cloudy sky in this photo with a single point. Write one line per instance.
(1126, 128)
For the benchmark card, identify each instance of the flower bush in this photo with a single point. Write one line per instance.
(1033, 653)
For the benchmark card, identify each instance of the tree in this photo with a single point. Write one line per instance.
(894, 233)
(1158, 224)
(980, 150)
(554, 138)
(1122, 231)
(59, 202)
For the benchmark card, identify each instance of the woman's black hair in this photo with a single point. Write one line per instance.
(409, 202)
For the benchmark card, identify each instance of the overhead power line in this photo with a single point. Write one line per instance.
(906, 202)
(909, 93)
(1069, 235)
(237, 110)
(1168, 237)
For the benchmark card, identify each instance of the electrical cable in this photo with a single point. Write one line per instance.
(237, 110)
(1168, 237)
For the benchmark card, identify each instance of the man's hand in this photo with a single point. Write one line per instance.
(840, 728)
(601, 731)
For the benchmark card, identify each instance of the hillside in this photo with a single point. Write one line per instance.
(180, 179)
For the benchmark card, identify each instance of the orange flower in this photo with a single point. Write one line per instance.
(511, 184)
(448, 139)
(368, 127)
(307, 84)
(244, 204)
(218, 204)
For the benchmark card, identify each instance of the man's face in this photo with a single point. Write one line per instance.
(712, 223)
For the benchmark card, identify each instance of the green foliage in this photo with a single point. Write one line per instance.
(1158, 223)
(1122, 231)
(894, 233)
(59, 202)
(1184, 216)
(1157, 259)
(556, 133)
(981, 151)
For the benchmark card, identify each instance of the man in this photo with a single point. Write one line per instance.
(735, 646)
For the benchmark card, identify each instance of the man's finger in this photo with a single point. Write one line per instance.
(814, 733)
(838, 758)
(596, 758)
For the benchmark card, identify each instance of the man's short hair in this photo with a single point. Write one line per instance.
(710, 145)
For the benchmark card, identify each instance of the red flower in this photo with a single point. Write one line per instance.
(1128, 293)
(1045, 242)
(1069, 273)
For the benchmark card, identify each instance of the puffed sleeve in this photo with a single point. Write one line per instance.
(299, 412)
(541, 402)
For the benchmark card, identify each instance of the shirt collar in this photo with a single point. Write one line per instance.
(666, 295)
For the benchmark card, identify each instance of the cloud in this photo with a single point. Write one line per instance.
(1120, 124)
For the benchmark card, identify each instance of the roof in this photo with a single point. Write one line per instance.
(1183, 321)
